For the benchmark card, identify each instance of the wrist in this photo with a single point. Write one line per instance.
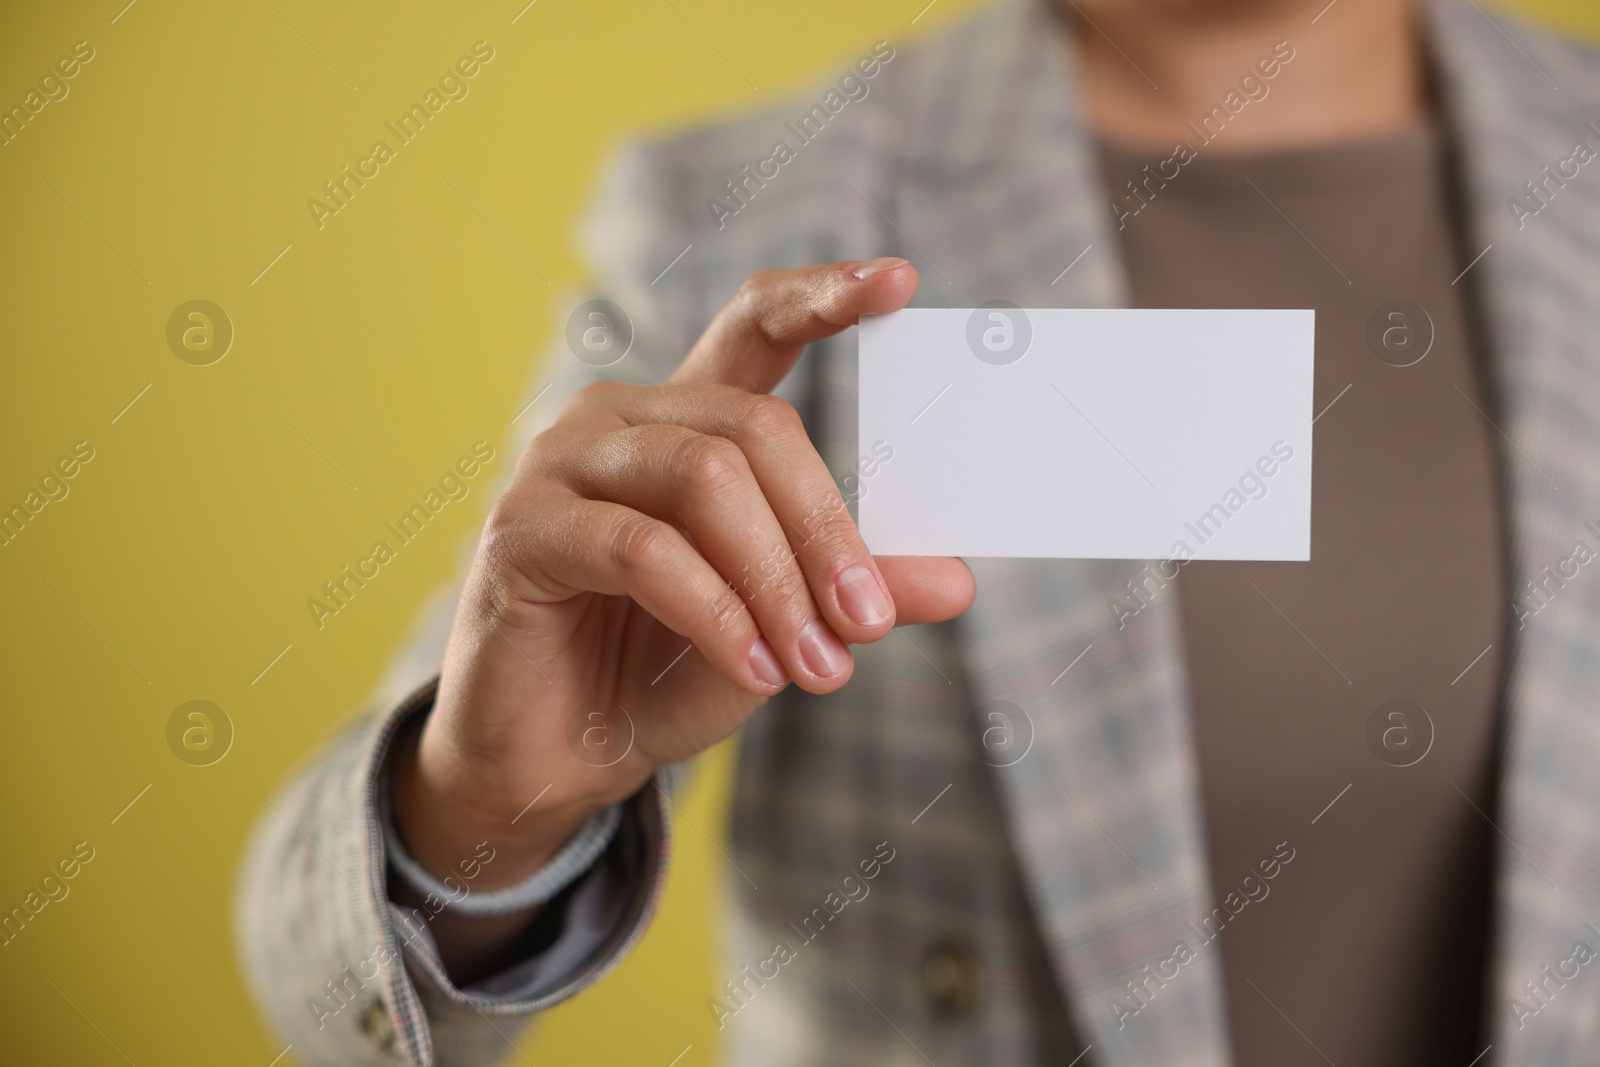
(446, 827)
(567, 866)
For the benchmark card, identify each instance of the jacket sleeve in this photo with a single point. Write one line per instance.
(345, 975)
(351, 979)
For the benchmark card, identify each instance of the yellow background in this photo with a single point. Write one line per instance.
(180, 563)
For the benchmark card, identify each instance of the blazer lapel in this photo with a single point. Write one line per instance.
(1540, 288)
(994, 194)
(991, 191)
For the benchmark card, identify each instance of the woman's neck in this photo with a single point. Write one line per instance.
(1268, 75)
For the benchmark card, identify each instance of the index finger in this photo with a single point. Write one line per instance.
(756, 337)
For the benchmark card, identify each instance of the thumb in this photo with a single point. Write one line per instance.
(755, 339)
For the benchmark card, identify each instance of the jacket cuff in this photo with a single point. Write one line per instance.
(334, 962)
(600, 918)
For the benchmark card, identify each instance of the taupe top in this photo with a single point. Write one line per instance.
(1367, 947)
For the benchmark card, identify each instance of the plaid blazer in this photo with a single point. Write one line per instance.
(1047, 866)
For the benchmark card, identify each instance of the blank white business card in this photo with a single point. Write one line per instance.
(1087, 433)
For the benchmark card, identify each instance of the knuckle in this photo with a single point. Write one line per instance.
(581, 403)
(544, 450)
(770, 417)
(833, 537)
(602, 395)
(503, 526)
(758, 283)
(505, 548)
(591, 410)
(710, 463)
(774, 577)
(727, 609)
(788, 588)
(597, 402)
(755, 297)
(641, 543)
(827, 525)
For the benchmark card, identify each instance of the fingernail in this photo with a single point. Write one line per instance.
(862, 598)
(764, 662)
(878, 266)
(821, 651)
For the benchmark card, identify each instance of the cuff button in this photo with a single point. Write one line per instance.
(950, 981)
